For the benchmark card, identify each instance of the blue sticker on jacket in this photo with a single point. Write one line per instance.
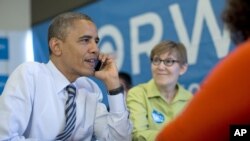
(158, 117)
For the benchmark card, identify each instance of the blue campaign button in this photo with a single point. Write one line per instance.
(158, 117)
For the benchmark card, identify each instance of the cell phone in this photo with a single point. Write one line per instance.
(98, 65)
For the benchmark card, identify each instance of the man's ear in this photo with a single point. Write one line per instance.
(184, 68)
(54, 45)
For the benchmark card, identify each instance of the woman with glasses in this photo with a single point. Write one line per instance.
(220, 110)
(157, 102)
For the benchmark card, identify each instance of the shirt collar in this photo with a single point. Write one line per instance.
(182, 94)
(152, 89)
(60, 80)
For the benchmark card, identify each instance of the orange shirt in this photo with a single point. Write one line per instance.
(223, 100)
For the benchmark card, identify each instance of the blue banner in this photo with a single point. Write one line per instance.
(4, 56)
(130, 29)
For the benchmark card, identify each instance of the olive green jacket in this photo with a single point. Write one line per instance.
(149, 111)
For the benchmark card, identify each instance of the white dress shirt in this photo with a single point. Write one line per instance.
(32, 107)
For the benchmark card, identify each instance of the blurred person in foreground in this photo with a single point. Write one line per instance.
(223, 99)
(57, 100)
(157, 102)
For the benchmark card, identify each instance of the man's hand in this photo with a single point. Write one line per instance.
(108, 72)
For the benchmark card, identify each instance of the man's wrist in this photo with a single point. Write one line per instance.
(116, 91)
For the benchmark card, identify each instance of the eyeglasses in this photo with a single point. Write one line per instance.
(167, 62)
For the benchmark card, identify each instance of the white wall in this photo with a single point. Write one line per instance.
(15, 22)
(15, 14)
